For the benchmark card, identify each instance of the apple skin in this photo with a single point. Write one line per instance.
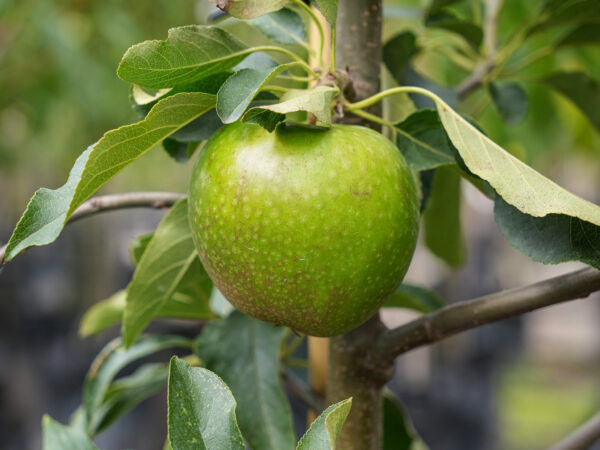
(304, 227)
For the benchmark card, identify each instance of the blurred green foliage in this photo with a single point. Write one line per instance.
(539, 405)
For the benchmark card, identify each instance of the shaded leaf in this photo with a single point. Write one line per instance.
(552, 239)
(424, 142)
(329, 10)
(437, 5)
(470, 32)
(584, 34)
(413, 78)
(582, 90)
(109, 362)
(188, 54)
(127, 392)
(237, 92)
(285, 26)
(510, 101)
(258, 61)
(48, 210)
(138, 247)
(168, 271)
(398, 431)
(415, 297)
(317, 101)
(441, 218)
(324, 431)
(178, 150)
(562, 12)
(245, 353)
(57, 436)
(248, 9)
(266, 119)
(398, 51)
(201, 410)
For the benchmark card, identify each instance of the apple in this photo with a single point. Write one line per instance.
(305, 227)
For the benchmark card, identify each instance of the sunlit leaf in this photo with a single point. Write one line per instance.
(324, 431)
(201, 410)
(168, 271)
(239, 90)
(188, 54)
(249, 9)
(57, 436)
(517, 183)
(329, 10)
(317, 101)
(245, 353)
(48, 210)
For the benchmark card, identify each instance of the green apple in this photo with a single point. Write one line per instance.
(304, 227)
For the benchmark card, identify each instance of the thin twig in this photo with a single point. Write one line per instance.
(302, 391)
(583, 437)
(484, 67)
(469, 314)
(105, 203)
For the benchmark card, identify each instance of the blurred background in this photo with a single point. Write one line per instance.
(520, 384)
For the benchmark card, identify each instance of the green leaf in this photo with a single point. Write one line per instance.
(588, 33)
(249, 9)
(582, 90)
(424, 142)
(238, 91)
(398, 431)
(552, 239)
(441, 218)
(317, 101)
(329, 10)
(284, 26)
(397, 53)
(510, 100)
(470, 32)
(517, 183)
(127, 392)
(563, 12)
(415, 297)
(178, 150)
(437, 5)
(109, 362)
(188, 54)
(48, 210)
(103, 314)
(57, 436)
(168, 267)
(192, 300)
(201, 410)
(245, 353)
(324, 431)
